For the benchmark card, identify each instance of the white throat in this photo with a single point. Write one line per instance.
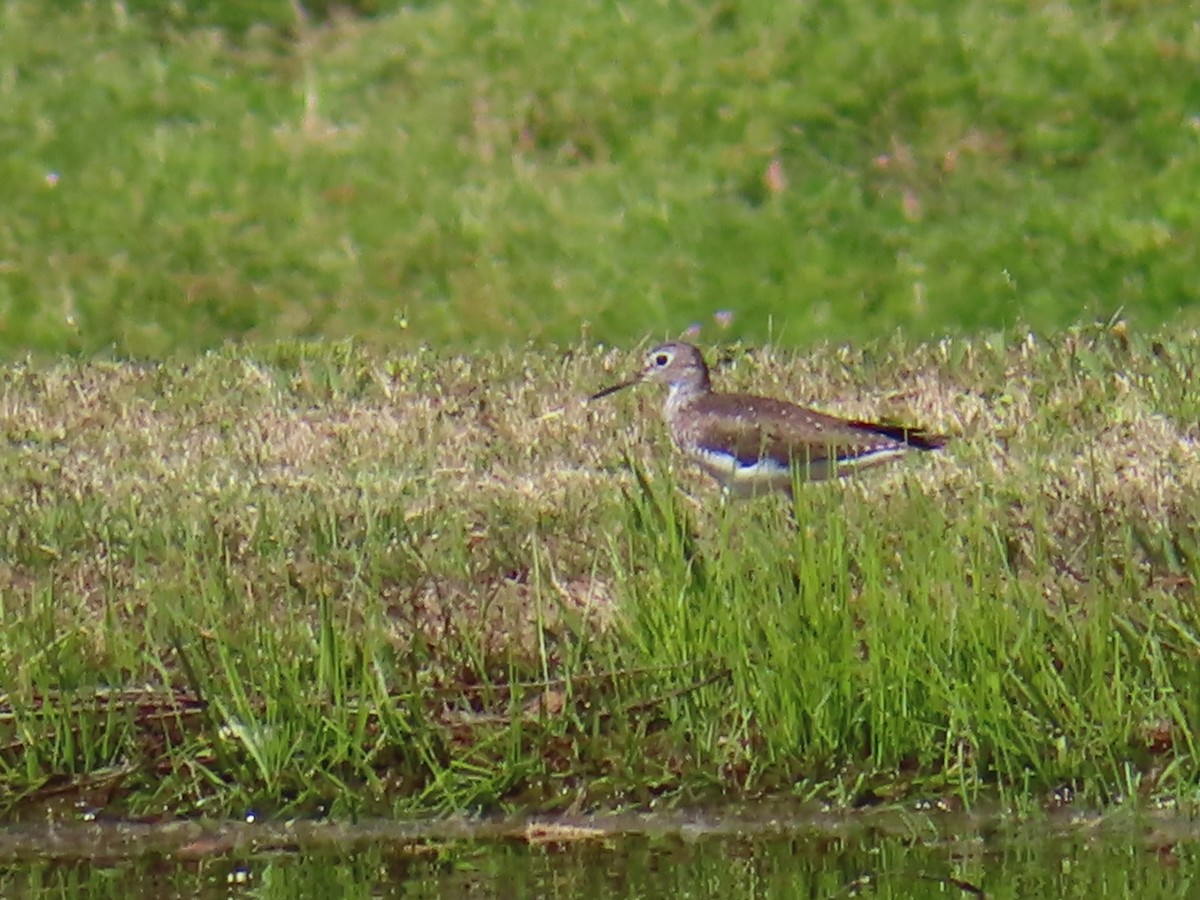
(678, 394)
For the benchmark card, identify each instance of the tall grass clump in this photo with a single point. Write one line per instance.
(937, 625)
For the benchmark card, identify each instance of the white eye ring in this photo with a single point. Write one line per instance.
(662, 359)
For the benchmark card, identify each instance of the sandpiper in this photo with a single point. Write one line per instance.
(752, 444)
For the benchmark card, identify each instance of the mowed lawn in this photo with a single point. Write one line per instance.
(469, 175)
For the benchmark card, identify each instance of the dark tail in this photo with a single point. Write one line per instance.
(917, 438)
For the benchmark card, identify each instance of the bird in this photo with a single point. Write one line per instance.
(754, 445)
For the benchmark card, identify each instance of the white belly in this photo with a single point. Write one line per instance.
(766, 475)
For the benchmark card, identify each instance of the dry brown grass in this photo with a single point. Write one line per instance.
(498, 482)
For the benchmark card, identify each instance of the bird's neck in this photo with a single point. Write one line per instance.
(683, 393)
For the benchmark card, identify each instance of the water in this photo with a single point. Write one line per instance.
(723, 855)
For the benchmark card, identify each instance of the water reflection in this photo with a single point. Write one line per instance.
(635, 857)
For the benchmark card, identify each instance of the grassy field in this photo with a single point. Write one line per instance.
(318, 578)
(245, 570)
(176, 175)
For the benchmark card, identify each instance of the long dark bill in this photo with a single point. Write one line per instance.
(614, 388)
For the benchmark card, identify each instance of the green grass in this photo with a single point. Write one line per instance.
(176, 175)
(317, 578)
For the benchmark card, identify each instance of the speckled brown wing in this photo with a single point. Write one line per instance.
(754, 428)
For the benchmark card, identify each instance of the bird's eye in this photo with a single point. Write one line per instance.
(662, 359)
